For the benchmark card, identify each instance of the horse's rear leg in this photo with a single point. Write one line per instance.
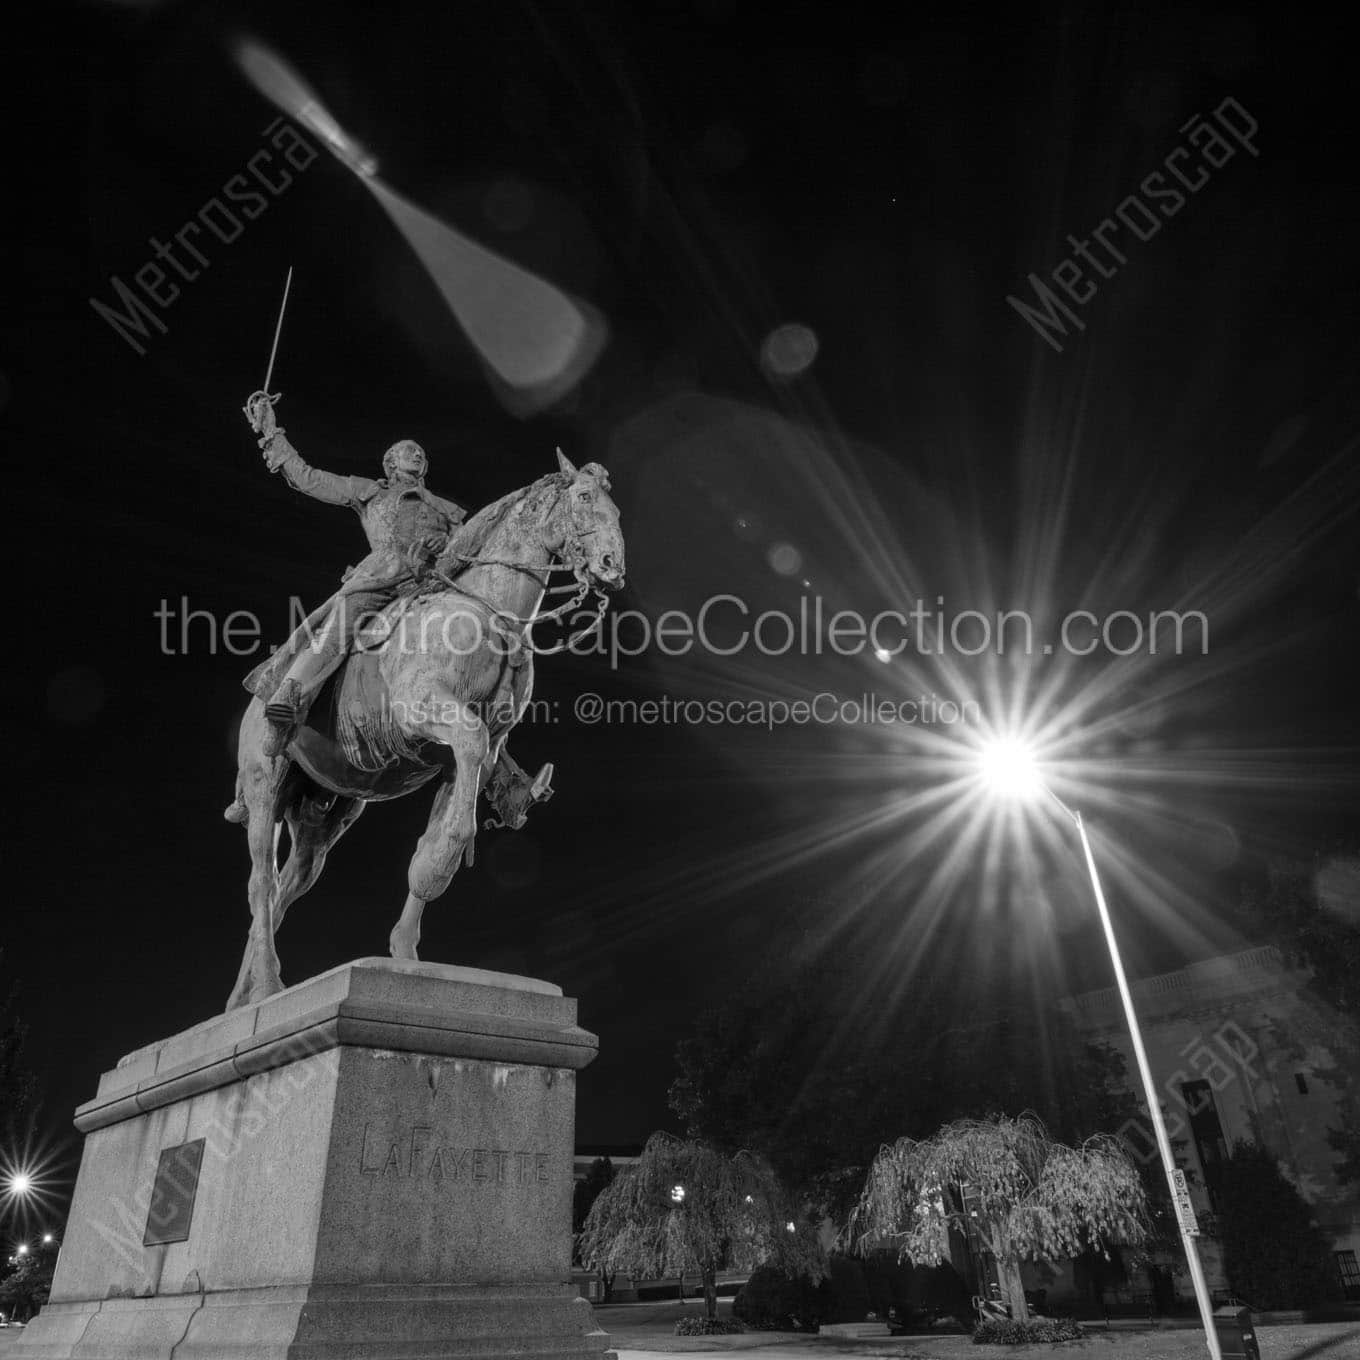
(452, 829)
(311, 833)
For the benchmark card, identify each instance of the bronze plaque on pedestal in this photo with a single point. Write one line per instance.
(172, 1195)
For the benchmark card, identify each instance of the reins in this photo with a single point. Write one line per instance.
(581, 587)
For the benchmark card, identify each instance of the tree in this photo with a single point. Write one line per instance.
(763, 1073)
(584, 1194)
(750, 1076)
(25, 1286)
(1030, 1197)
(687, 1207)
(1274, 1254)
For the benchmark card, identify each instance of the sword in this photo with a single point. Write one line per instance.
(278, 330)
(248, 408)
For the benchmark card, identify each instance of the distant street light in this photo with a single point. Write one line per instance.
(1010, 768)
(22, 1249)
(48, 1239)
(19, 1184)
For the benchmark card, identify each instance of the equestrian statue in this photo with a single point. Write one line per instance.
(413, 672)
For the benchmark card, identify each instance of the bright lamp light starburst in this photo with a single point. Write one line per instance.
(1009, 768)
(26, 1182)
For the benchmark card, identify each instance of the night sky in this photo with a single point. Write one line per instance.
(702, 174)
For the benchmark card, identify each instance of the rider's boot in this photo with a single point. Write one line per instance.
(287, 710)
(283, 713)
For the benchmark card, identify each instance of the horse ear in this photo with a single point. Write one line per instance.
(564, 464)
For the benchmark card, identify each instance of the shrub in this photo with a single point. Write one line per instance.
(705, 1326)
(771, 1301)
(1274, 1255)
(1009, 1332)
(848, 1290)
(888, 1282)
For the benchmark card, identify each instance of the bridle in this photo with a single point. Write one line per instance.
(571, 550)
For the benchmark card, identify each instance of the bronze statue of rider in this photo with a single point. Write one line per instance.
(407, 526)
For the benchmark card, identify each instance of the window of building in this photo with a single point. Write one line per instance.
(1349, 1270)
(1207, 1131)
(1301, 1082)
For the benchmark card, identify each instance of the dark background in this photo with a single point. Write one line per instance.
(702, 173)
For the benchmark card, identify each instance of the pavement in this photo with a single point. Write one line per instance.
(644, 1336)
(1321, 1341)
(642, 1331)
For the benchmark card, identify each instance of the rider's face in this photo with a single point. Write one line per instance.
(409, 463)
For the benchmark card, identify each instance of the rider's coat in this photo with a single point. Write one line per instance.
(401, 521)
(407, 526)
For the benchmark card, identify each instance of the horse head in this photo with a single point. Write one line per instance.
(583, 529)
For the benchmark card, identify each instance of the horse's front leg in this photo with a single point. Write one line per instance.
(448, 839)
(257, 786)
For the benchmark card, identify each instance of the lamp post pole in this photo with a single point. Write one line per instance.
(1154, 1105)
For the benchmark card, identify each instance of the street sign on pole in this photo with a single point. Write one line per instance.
(1185, 1209)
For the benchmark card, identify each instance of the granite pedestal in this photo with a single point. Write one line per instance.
(374, 1163)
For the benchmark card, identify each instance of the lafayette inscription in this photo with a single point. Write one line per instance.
(414, 1154)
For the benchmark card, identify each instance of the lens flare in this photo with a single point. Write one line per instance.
(536, 341)
(284, 88)
(529, 332)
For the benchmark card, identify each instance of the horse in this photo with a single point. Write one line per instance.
(430, 695)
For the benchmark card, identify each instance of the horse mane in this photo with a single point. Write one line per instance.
(471, 537)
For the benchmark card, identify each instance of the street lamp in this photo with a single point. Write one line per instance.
(1009, 768)
(19, 1184)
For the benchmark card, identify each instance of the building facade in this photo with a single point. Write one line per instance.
(1240, 1048)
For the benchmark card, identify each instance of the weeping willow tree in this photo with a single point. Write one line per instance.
(1029, 1197)
(685, 1208)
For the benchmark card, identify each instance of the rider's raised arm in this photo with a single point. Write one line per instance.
(281, 456)
(323, 486)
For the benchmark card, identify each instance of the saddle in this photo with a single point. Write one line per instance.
(363, 721)
(265, 678)
(350, 742)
